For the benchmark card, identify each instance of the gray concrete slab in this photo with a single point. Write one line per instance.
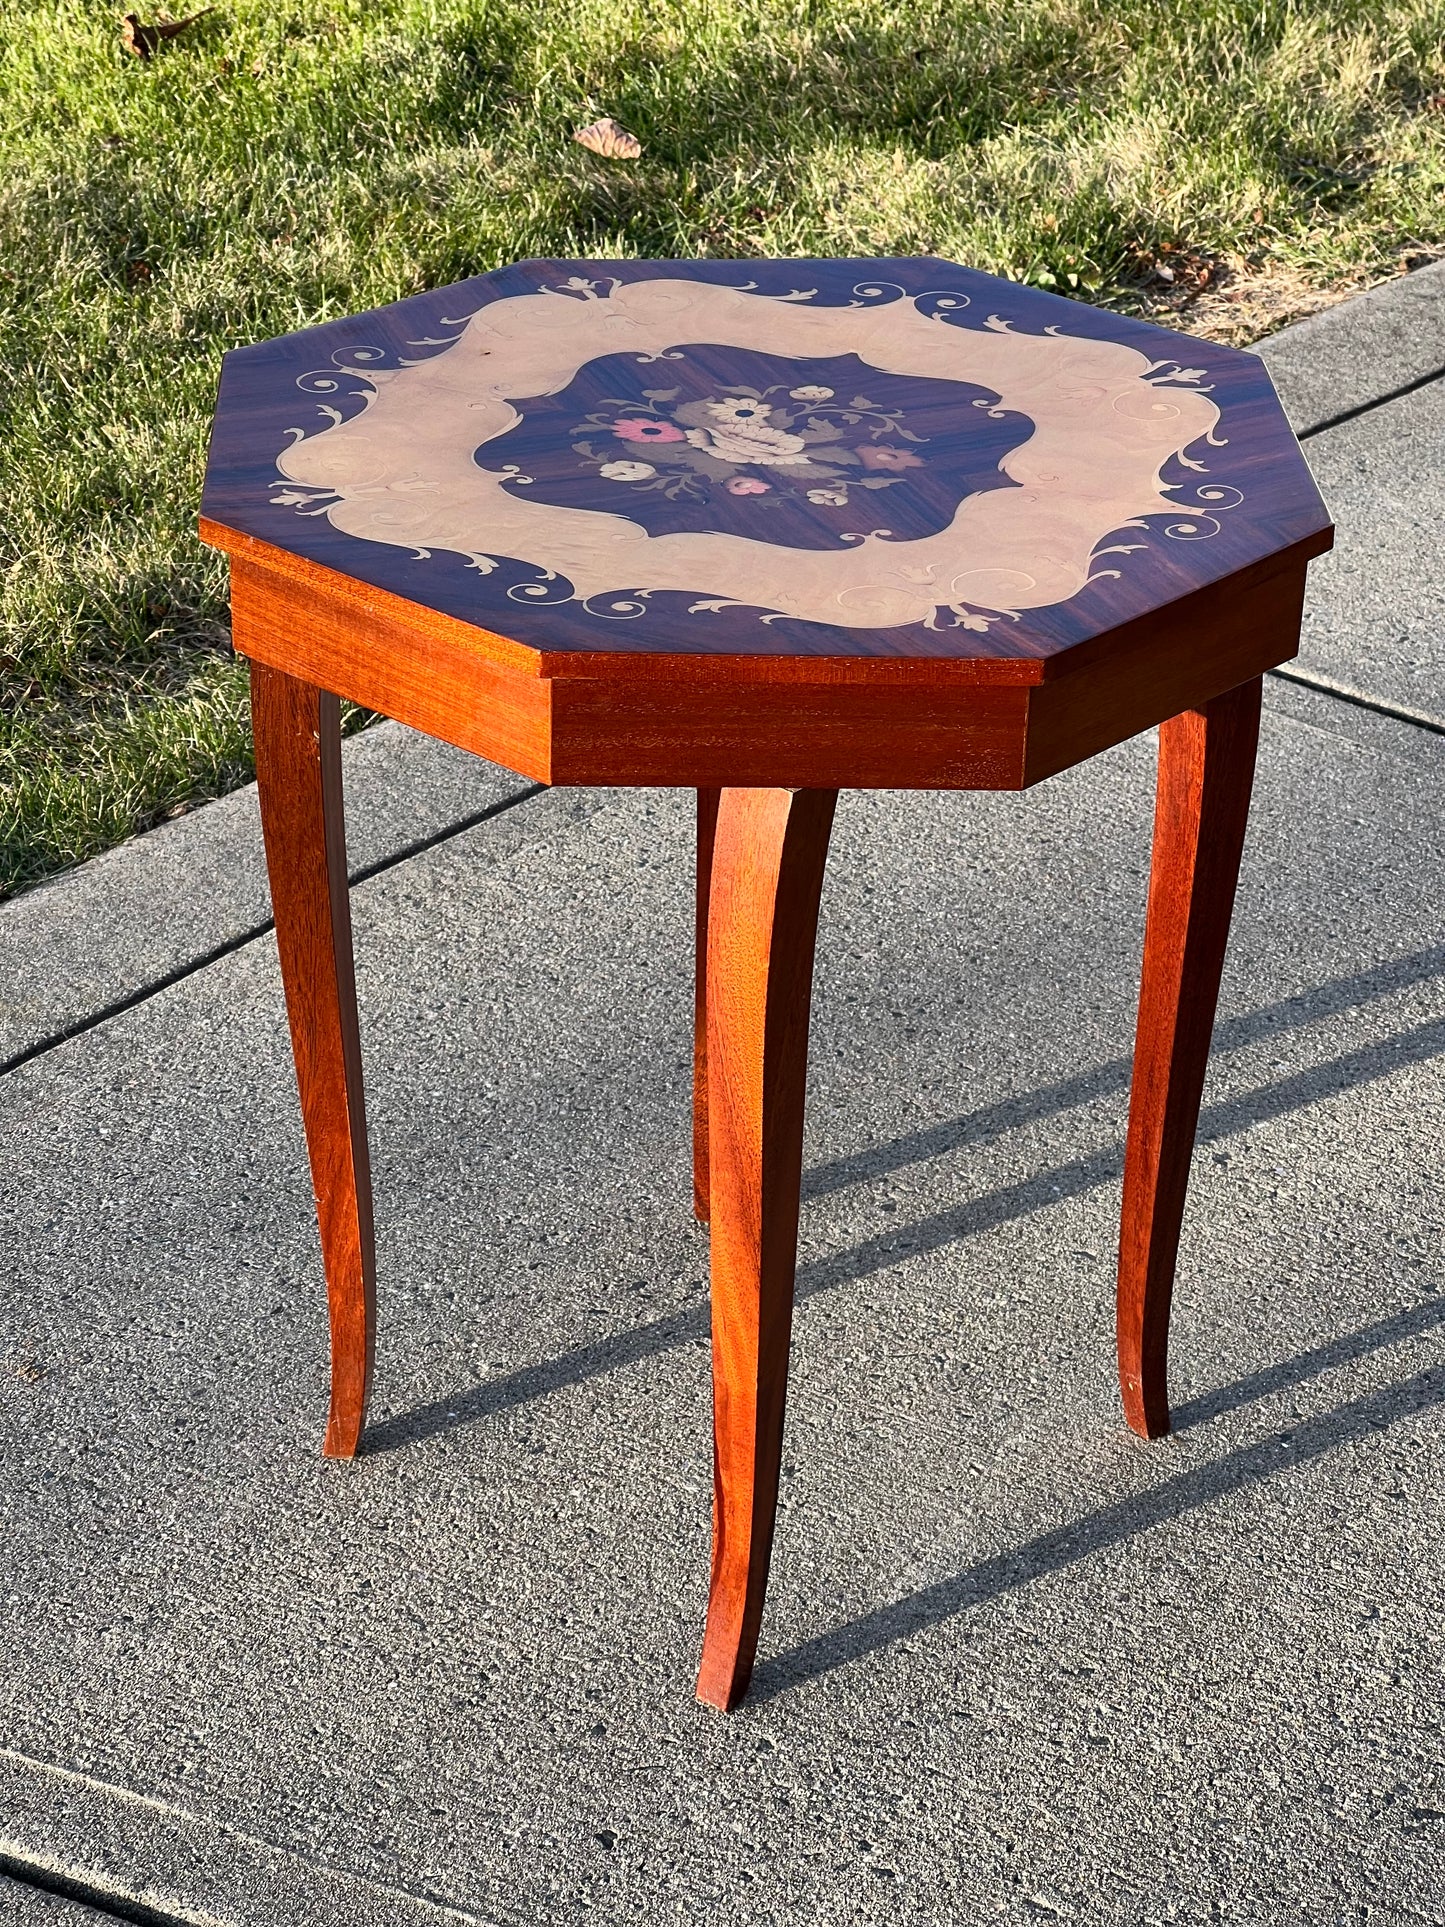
(100, 933)
(152, 1861)
(1350, 356)
(26, 1906)
(1015, 1665)
(1348, 722)
(1371, 624)
(1372, 618)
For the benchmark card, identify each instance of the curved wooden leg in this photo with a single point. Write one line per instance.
(298, 773)
(1206, 771)
(707, 802)
(767, 877)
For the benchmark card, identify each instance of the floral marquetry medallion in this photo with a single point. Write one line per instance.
(757, 447)
(825, 458)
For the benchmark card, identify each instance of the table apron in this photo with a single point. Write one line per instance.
(676, 731)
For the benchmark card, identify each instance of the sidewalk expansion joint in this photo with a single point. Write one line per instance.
(1342, 692)
(1365, 407)
(83, 1893)
(194, 965)
(43, 1873)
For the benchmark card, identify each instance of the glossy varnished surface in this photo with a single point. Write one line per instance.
(298, 774)
(1206, 773)
(835, 459)
(703, 722)
(766, 531)
(707, 809)
(768, 855)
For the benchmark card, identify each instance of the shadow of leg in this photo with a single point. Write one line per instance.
(1076, 1540)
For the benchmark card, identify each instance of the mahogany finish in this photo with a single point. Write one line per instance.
(707, 808)
(763, 530)
(298, 776)
(1206, 770)
(767, 877)
(794, 723)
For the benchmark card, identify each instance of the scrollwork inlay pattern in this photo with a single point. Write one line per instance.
(1105, 422)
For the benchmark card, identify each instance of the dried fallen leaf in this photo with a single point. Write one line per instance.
(610, 139)
(143, 40)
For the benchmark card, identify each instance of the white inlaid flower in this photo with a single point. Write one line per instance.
(811, 394)
(745, 442)
(739, 408)
(828, 497)
(627, 471)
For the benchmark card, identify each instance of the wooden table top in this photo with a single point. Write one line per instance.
(782, 458)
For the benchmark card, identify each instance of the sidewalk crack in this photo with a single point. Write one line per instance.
(194, 965)
(1365, 407)
(1343, 692)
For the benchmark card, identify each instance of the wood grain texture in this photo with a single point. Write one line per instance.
(345, 638)
(521, 438)
(1092, 526)
(707, 807)
(797, 736)
(845, 458)
(768, 858)
(1175, 658)
(298, 775)
(807, 722)
(1206, 771)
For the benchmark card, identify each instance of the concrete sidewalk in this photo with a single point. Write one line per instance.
(1015, 1664)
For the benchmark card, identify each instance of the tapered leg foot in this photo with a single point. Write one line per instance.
(767, 877)
(1206, 771)
(707, 803)
(298, 772)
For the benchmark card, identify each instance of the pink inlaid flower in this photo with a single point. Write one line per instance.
(746, 485)
(633, 430)
(886, 457)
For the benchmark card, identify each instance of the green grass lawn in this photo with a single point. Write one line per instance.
(285, 163)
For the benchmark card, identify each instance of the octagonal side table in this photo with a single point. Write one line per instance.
(763, 530)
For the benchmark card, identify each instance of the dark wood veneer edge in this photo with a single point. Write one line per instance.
(1107, 698)
(614, 665)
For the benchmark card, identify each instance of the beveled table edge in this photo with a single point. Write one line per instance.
(628, 666)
